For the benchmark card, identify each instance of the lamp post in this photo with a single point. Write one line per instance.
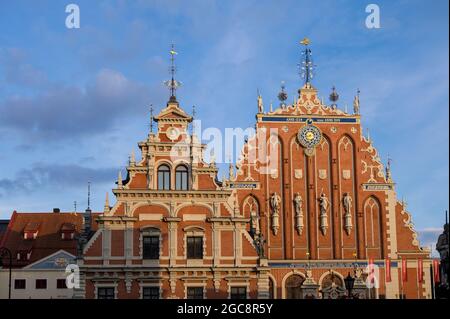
(4, 251)
(349, 282)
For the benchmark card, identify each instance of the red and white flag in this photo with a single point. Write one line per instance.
(387, 267)
(420, 269)
(436, 272)
(404, 270)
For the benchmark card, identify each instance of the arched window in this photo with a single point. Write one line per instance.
(163, 177)
(293, 287)
(181, 178)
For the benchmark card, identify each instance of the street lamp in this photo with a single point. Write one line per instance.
(6, 251)
(349, 282)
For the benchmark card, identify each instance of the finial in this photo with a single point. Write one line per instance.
(404, 203)
(89, 195)
(172, 84)
(334, 97)
(194, 113)
(119, 179)
(282, 96)
(75, 206)
(132, 159)
(106, 208)
(356, 103)
(306, 65)
(271, 107)
(151, 118)
(346, 108)
(368, 134)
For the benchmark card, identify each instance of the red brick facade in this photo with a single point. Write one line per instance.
(303, 244)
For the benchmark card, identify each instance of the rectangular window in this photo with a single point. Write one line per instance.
(105, 293)
(150, 247)
(194, 292)
(19, 284)
(61, 284)
(41, 283)
(150, 293)
(194, 247)
(238, 293)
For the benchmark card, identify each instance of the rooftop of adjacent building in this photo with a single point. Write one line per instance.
(33, 236)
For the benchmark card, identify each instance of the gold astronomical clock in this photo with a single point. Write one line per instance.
(309, 136)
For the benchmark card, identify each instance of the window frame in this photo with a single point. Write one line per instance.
(61, 280)
(194, 252)
(38, 282)
(239, 294)
(154, 245)
(164, 177)
(196, 293)
(16, 281)
(156, 288)
(181, 178)
(106, 288)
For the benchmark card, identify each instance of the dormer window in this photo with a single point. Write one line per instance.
(23, 255)
(31, 231)
(67, 231)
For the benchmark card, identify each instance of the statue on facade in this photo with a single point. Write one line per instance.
(347, 202)
(259, 242)
(356, 104)
(260, 104)
(323, 204)
(442, 246)
(275, 204)
(298, 203)
(254, 223)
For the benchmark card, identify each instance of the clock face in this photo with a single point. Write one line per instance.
(173, 133)
(309, 136)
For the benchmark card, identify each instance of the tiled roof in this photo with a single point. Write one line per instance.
(48, 240)
(3, 226)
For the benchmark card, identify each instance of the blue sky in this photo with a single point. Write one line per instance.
(74, 102)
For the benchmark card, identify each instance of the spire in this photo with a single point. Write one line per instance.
(306, 65)
(282, 96)
(356, 103)
(106, 208)
(89, 196)
(87, 216)
(172, 84)
(151, 118)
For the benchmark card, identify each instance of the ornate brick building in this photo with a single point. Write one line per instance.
(310, 203)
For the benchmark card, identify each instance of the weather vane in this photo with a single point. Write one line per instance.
(172, 84)
(306, 66)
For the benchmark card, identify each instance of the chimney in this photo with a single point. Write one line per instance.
(56, 210)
